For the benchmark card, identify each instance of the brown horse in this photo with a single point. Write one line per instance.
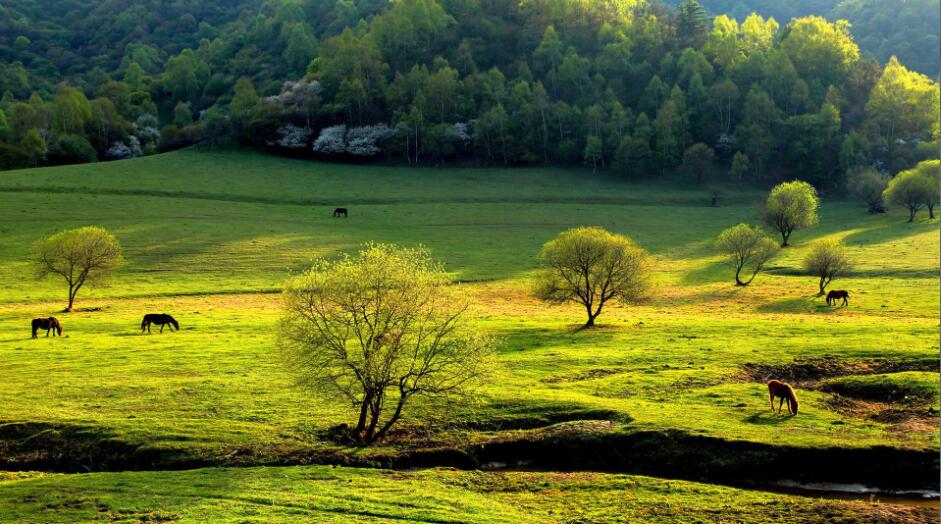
(340, 212)
(49, 324)
(161, 319)
(837, 294)
(784, 392)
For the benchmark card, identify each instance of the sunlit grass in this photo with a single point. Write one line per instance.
(216, 256)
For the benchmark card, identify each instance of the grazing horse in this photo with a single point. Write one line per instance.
(161, 319)
(340, 212)
(837, 294)
(49, 324)
(784, 392)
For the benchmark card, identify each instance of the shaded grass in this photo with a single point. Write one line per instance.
(324, 494)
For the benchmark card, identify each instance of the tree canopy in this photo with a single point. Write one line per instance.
(380, 329)
(591, 266)
(628, 86)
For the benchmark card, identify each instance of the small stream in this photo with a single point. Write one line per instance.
(853, 492)
(820, 490)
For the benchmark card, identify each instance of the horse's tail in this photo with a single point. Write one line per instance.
(143, 323)
(35, 328)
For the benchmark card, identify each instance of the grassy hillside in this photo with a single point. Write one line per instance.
(210, 236)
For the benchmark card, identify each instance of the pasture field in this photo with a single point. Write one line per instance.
(340, 495)
(209, 236)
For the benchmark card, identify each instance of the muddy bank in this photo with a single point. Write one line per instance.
(587, 445)
(803, 370)
(679, 455)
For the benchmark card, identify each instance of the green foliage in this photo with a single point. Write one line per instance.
(590, 266)
(746, 248)
(903, 104)
(698, 160)
(71, 149)
(740, 167)
(867, 185)
(790, 206)
(914, 188)
(826, 259)
(552, 82)
(377, 330)
(80, 256)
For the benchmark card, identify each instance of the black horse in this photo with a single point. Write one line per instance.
(340, 212)
(837, 294)
(49, 324)
(161, 319)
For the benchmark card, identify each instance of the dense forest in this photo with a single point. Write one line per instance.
(626, 85)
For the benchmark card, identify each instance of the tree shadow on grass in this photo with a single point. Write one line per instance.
(888, 232)
(766, 418)
(717, 271)
(802, 304)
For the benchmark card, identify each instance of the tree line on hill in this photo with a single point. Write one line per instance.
(627, 85)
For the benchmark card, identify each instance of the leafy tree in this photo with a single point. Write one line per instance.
(691, 24)
(790, 206)
(827, 260)
(903, 104)
(182, 116)
(740, 166)
(822, 52)
(698, 160)
(915, 188)
(593, 152)
(71, 110)
(590, 266)
(35, 146)
(867, 185)
(80, 256)
(746, 248)
(380, 329)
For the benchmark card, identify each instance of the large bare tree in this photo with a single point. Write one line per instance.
(591, 266)
(379, 329)
(80, 256)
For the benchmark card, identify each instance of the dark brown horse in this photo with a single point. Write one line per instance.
(837, 294)
(340, 212)
(161, 319)
(49, 324)
(783, 391)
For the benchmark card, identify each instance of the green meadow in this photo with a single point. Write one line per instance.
(210, 236)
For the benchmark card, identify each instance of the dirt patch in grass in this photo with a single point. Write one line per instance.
(901, 417)
(587, 374)
(803, 371)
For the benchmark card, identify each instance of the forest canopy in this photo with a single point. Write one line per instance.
(626, 85)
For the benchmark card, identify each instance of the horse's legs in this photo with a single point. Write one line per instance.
(771, 393)
(846, 301)
(47, 332)
(161, 327)
(780, 405)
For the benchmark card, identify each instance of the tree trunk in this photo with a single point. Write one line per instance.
(785, 235)
(931, 210)
(361, 424)
(911, 213)
(823, 286)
